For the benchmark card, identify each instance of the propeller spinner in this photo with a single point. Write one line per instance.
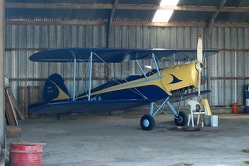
(199, 64)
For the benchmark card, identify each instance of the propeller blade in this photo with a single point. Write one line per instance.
(199, 86)
(199, 49)
(199, 65)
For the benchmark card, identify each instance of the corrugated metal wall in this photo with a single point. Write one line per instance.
(19, 38)
(228, 72)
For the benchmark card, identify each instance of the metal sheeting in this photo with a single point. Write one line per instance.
(198, 3)
(190, 16)
(134, 15)
(125, 11)
(91, 14)
(58, 14)
(242, 3)
(228, 72)
(204, 16)
(227, 17)
(34, 37)
(52, 36)
(155, 37)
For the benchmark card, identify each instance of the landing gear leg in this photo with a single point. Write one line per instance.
(180, 117)
(147, 122)
(58, 117)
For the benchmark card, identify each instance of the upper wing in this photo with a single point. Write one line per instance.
(113, 55)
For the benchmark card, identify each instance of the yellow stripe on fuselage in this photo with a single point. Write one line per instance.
(152, 80)
(62, 95)
(186, 73)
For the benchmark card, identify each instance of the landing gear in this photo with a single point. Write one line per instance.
(147, 122)
(58, 117)
(181, 119)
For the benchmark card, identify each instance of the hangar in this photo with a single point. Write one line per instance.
(28, 27)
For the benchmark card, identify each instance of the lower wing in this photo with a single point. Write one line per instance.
(78, 106)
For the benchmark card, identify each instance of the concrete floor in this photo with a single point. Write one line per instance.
(117, 140)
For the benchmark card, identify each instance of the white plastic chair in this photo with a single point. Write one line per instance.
(193, 105)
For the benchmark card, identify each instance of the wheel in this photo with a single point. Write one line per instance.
(181, 119)
(147, 122)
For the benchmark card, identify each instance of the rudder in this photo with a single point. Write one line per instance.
(55, 88)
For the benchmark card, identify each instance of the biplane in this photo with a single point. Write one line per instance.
(159, 87)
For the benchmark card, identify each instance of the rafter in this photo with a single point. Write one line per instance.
(211, 21)
(35, 22)
(222, 3)
(110, 22)
(58, 6)
(123, 23)
(123, 6)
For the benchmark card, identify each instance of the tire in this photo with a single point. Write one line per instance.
(181, 119)
(147, 122)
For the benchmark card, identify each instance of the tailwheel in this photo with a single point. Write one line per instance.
(181, 119)
(147, 122)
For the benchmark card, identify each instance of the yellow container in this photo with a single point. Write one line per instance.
(205, 103)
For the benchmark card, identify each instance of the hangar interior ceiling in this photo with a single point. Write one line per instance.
(217, 13)
(31, 26)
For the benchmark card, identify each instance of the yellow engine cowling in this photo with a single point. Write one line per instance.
(180, 76)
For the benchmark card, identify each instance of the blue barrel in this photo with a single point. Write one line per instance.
(247, 102)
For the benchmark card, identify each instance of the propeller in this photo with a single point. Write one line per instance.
(199, 64)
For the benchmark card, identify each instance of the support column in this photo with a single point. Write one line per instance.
(2, 113)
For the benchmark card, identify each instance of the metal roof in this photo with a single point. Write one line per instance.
(127, 12)
(228, 11)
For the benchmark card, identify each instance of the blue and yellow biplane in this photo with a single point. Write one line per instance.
(163, 85)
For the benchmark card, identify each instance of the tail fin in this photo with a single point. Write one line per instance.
(55, 89)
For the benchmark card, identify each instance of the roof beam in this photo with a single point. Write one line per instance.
(123, 23)
(34, 22)
(175, 24)
(135, 23)
(211, 20)
(184, 8)
(58, 6)
(123, 6)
